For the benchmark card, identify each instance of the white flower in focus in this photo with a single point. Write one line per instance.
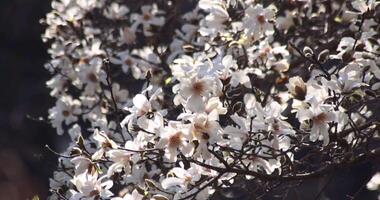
(206, 130)
(82, 165)
(320, 115)
(347, 79)
(181, 179)
(193, 90)
(121, 158)
(174, 138)
(104, 143)
(90, 187)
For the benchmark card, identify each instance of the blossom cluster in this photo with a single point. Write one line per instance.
(172, 99)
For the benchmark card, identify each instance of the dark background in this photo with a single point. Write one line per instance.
(25, 165)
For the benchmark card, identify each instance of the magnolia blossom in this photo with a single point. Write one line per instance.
(121, 158)
(346, 80)
(82, 165)
(201, 96)
(65, 110)
(205, 129)
(104, 142)
(214, 21)
(175, 138)
(90, 74)
(320, 115)
(182, 178)
(192, 92)
(148, 18)
(116, 11)
(256, 21)
(89, 186)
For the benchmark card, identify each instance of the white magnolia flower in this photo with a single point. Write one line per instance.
(256, 21)
(174, 138)
(214, 22)
(192, 91)
(91, 74)
(116, 11)
(206, 130)
(347, 79)
(121, 158)
(90, 187)
(182, 178)
(65, 110)
(82, 164)
(128, 63)
(320, 115)
(149, 17)
(104, 143)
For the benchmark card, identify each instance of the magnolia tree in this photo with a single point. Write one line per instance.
(170, 99)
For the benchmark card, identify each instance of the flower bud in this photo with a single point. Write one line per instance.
(297, 88)
(323, 56)
(308, 51)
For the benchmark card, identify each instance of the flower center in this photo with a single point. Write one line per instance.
(65, 113)
(94, 193)
(92, 77)
(128, 62)
(320, 119)
(146, 17)
(198, 88)
(205, 136)
(175, 140)
(261, 19)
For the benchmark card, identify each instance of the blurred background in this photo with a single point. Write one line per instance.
(25, 164)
